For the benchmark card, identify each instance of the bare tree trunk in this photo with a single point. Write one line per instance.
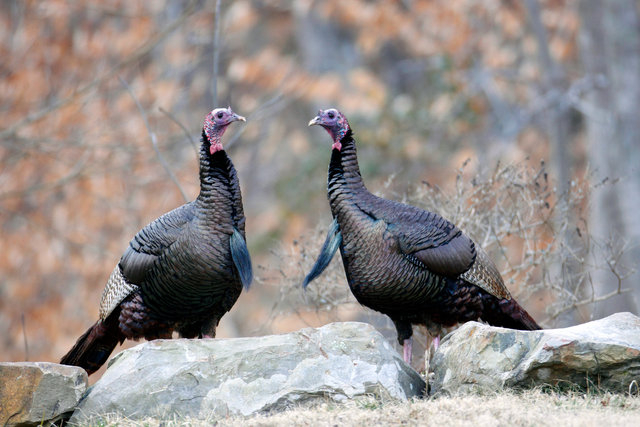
(557, 120)
(558, 115)
(610, 47)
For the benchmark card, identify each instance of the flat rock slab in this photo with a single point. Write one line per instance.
(38, 393)
(211, 378)
(602, 354)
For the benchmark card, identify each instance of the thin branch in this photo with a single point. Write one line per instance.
(184, 129)
(587, 301)
(142, 51)
(274, 104)
(24, 337)
(77, 171)
(553, 71)
(216, 54)
(154, 140)
(256, 114)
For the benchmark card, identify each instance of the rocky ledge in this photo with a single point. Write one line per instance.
(212, 378)
(603, 354)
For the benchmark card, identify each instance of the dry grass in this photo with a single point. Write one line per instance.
(538, 236)
(530, 408)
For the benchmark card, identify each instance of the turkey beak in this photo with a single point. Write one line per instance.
(238, 118)
(315, 121)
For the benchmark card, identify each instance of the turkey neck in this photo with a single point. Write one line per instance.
(345, 182)
(218, 185)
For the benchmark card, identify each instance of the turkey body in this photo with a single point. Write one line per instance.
(182, 261)
(408, 263)
(182, 272)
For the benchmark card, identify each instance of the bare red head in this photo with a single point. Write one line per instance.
(334, 122)
(216, 123)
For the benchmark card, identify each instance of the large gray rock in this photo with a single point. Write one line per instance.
(38, 393)
(604, 353)
(212, 378)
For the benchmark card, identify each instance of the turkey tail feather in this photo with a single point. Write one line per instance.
(524, 318)
(95, 346)
(241, 258)
(510, 314)
(329, 248)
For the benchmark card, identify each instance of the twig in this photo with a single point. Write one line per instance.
(275, 103)
(554, 73)
(183, 127)
(24, 337)
(587, 301)
(77, 171)
(216, 54)
(143, 50)
(154, 140)
(256, 114)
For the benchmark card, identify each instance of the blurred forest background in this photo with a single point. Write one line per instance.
(517, 119)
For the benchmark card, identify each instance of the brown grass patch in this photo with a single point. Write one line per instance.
(530, 408)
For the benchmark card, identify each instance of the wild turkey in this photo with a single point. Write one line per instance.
(181, 272)
(410, 264)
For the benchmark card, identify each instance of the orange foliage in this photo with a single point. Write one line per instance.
(77, 183)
